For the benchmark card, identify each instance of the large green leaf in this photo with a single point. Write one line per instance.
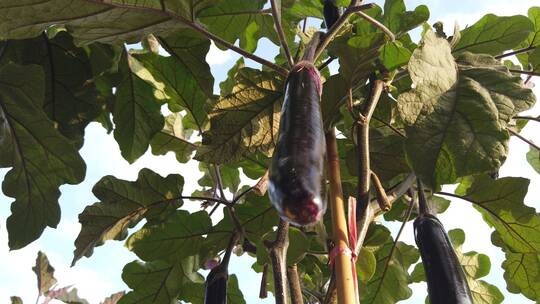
(89, 21)
(475, 266)
(41, 158)
(494, 35)
(123, 204)
(389, 283)
(70, 97)
(158, 281)
(516, 229)
(240, 20)
(531, 60)
(136, 113)
(179, 83)
(173, 138)
(457, 113)
(533, 157)
(44, 273)
(399, 20)
(229, 175)
(247, 120)
(180, 236)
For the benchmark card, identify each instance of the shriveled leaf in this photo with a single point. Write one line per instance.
(173, 138)
(158, 281)
(456, 115)
(136, 114)
(493, 34)
(39, 166)
(389, 283)
(71, 297)
(16, 300)
(533, 157)
(114, 298)
(123, 204)
(180, 236)
(247, 120)
(44, 273)
(178, 83)
(71, 99)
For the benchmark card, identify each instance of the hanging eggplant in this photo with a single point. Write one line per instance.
(445, 277)
(296, 172)
(331, 13)
(216, 280)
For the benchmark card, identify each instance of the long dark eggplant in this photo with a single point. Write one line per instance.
(296, 171)
(216, 280)
(331, 13)
(445, 277)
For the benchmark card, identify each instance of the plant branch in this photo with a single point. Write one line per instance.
(203, 198)
(527, 118)
(362, 139)
(342, 264)
(334, 29)
(278, 257)
(294, 285)
(326, 63)
(239, 196)
(523, 139)
(516, 52)
(382, 198)
(376, 23)
(532, 73)
(276, 15)
(263, 292)
(199, 28)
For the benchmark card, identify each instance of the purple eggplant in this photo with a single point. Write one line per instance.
(331, 13)
(296, 172)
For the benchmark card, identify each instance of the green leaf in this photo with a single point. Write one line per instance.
(191, 48)
(522, 273)
(178, 83)
(239, 20)
(501, 204)
(457, 114)
(394, 55)
(71, 99)
(90, 22)
(123, 204)
(493, 34)
(180, 236)
(401, 21)
(229, 174)
(44, 273)
(531, 60)
(158, 281)
(173, 138)
(533, 157)
(366, 265)
(389, 283)
(298, 246)
(39, 166)
(234, 294)
(16, 300)
(136, 114)
(399, 209)
(247, 120)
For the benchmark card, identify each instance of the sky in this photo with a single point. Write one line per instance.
(99, 276)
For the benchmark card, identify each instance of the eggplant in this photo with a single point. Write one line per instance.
(445, 278)
(296, 171)
(331, 13)
(216, 286)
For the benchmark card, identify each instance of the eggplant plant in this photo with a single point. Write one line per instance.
(297, 161)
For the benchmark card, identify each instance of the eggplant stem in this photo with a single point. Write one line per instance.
(281, 35)
(278, 257)
(422, 201)
(294, 285)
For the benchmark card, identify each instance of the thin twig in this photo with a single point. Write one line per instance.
(199, 28)
(294, 285)
(405, 220)
(376, 23)
(219, 183)
(263, 292)
(524, 139)
(382, 199)
(204, 198)
(304, 26)
(531, 73)
(278, 257)
(276, 15)
(516, 52)
(239, 196)
(527, 118)
(326, 63)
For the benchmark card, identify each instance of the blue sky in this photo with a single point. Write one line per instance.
(99, 276)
